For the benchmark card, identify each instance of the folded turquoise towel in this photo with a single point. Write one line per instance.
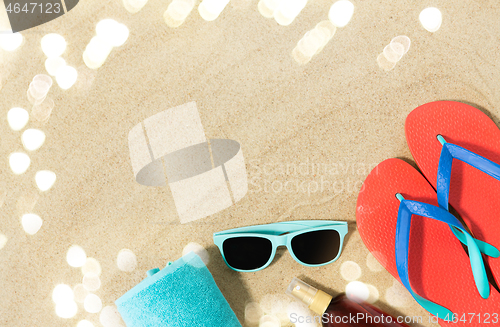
(182, 294)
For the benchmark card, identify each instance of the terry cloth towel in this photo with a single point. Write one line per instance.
(183, 294)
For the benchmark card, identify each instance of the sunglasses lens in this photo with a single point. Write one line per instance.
(247, 253)
(317, 247)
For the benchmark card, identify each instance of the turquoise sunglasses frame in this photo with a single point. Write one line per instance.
(281, 234)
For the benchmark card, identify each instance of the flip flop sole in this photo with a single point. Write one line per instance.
(474, 194)
(439, 268)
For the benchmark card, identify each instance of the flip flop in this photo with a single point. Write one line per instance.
(400, 222)
(472, 186)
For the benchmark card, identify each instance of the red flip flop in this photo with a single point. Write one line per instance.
(427, 258)
(474, 138)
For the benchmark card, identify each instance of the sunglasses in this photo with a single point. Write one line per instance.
(310, 242)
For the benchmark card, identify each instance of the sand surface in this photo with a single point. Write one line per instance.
(339, 110)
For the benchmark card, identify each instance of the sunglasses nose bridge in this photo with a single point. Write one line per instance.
(280, 241)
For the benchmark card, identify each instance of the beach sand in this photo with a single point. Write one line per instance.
(321, 127)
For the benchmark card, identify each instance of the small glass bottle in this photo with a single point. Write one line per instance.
(340, 311)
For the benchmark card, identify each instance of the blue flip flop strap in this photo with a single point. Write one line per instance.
(408, 208)
(448, 153)
(452, 151)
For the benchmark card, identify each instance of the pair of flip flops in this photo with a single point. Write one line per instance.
(403, 216)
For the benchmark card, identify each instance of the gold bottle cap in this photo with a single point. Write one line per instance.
(315, 299)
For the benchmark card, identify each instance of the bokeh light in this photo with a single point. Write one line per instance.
(62, 293)
(327, 28)
(84, 323)
(374, 294)
(431, 19)
(299, 56)
(92, 303)
(17, 118)
(106, 30)
(210, 9)
(76, 256)
(350, 270)
(393, 52)
(288, 10)
(66, 309)
(91, 281)
(52, 65)
(27, 201)
(91, 266)
(41, 112)
(134, 6)
(44, 179)
(110, 317)
(341, 13)
(10, 41)
(122, 34)
(177, 12)
(357, 291)
(126, 260)
(39, 88)
(397, 295)
(96, 52)
(111, 32)
(80, 293)
(253, 313)
(267, 7)
(198, 249)
(3, 240)
(53, 45)
(43, 78)
(313, 42)
(19, 162)
(402, 40)
(33, 139)
(66, 76)
(384, 63)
